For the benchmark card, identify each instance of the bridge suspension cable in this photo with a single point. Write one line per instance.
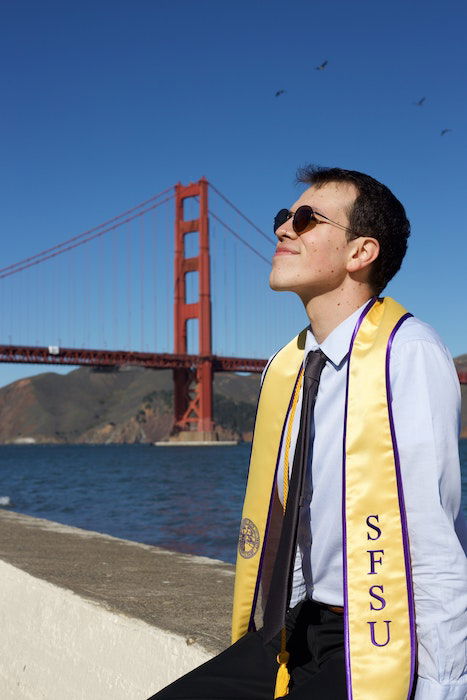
(234, 233)
(256, 252)
(23, 264)
(59, 249)
(237, 210)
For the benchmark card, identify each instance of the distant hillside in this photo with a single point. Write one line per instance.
(130, 405)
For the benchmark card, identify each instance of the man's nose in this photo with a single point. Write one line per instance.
(286, 231)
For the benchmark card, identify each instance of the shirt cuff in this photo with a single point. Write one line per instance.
(431, 690)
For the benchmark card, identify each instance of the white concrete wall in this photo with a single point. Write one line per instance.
(55, 645)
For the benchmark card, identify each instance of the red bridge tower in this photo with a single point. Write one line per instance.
(193, 387)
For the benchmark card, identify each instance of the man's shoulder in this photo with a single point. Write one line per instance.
(415, 336)
(413, 329)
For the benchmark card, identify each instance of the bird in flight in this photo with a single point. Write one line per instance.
(322, 66)
(445, 131)
(420, 102)
(279, 93)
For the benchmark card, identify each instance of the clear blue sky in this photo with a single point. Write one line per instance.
(105, 103)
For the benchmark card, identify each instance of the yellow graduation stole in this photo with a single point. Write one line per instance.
(378, 600)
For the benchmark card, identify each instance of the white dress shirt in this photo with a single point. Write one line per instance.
(426, 410)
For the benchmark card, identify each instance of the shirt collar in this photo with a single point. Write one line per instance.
(336, 345)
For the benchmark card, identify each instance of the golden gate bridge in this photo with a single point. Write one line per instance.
(103, 275)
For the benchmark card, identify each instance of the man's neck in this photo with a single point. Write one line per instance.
(328, 310)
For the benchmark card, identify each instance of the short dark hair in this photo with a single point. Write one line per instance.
(376, 212)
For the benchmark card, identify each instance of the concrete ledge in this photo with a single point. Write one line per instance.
(90, 616)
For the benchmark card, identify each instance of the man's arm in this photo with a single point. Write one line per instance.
(426, 408)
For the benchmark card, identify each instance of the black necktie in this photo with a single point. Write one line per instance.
(281, 579)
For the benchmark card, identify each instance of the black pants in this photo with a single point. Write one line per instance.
(247, 670)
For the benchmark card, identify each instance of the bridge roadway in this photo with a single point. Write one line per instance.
(120, 358)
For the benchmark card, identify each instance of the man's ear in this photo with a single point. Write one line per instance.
(363, 251)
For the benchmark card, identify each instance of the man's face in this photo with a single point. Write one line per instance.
(314, 262)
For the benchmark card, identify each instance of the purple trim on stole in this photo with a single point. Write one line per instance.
(344, 527)
(251, 623)
(400, 490)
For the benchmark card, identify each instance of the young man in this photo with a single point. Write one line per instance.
(356, 438)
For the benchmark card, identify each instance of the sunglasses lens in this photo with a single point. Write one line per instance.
(302, 218)
(280, 218)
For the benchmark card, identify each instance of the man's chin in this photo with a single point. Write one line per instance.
(278, 285)
(274, 285)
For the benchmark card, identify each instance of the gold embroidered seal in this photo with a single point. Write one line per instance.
(248, 540)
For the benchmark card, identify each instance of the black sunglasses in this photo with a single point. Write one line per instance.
(302, 219)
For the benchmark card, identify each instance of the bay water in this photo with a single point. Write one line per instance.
(187, 499)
